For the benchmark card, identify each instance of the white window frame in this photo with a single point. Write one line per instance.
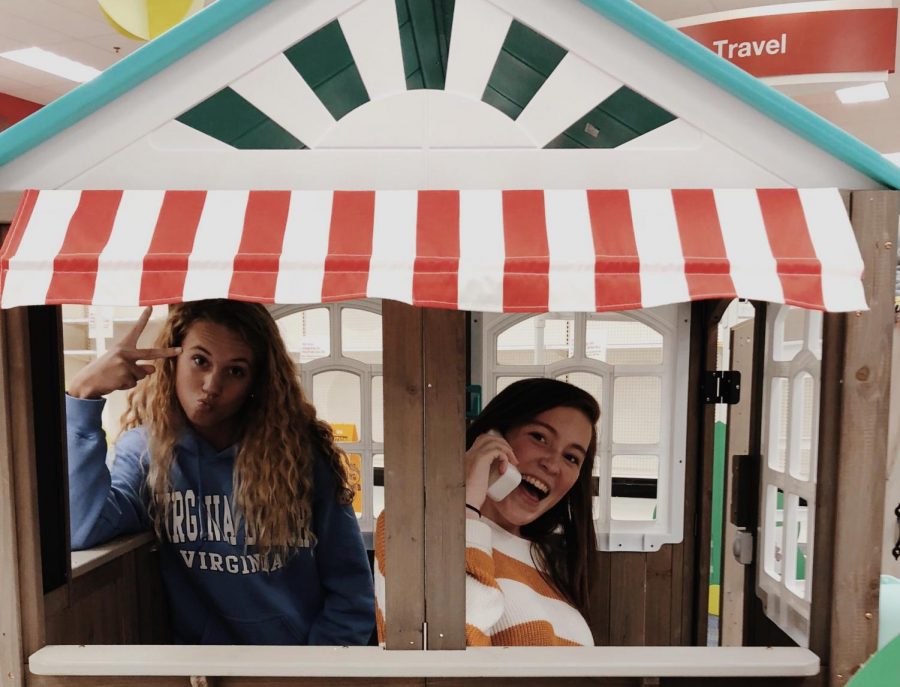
(335, 361)
(673, 323)
(787, 609)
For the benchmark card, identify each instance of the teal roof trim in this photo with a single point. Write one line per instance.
(777, 106)
(145, 62)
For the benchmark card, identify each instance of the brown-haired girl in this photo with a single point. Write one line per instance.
(527, 555)
(225, 459)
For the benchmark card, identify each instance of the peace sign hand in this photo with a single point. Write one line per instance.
(120, 367)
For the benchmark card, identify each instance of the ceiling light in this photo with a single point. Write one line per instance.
(863, 94)
(52, 63)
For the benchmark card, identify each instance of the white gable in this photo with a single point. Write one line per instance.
(426, 138)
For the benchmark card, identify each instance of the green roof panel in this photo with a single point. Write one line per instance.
(267, 135)
(502, 103)
(229, 118)
(623, 116)
(411, 69)
(425, 40)
(530, 47)
(402, 11)
(595, 130)
(321, 54)
(524, 63)
(343, 92)
(636, 111)
(324, 61)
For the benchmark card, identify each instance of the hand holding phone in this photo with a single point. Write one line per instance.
(501, 486)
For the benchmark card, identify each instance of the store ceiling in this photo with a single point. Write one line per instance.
(77, 29)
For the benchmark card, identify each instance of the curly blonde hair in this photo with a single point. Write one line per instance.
(279, 435)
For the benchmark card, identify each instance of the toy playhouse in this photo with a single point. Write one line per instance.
(461, 169)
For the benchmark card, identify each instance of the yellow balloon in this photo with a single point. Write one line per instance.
(143, 20)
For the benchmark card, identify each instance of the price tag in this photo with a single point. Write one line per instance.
(92, 323)
(100, 323)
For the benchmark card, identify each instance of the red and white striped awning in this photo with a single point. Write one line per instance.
(485, 250)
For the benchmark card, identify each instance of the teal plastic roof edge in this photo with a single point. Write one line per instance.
(790, 114)
(121, 77)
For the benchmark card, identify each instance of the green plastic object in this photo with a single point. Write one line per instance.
(473, 401)
(425, 41)
(228, 117)
(718, 503)
(889, 612)
(325, 62)
(882, 670)
(525, 62)
(623, 116)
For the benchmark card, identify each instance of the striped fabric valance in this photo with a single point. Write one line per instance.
(484, 250)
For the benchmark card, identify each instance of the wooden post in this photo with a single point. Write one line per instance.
(731, 615)
(833, 336)
(424, 391)
(444, 335)
(404, 476)
(28, 545)
(862, 446)
(11, 651)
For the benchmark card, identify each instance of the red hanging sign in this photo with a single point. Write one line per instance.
(825, 42)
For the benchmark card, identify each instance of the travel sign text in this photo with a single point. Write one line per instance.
(772, 46)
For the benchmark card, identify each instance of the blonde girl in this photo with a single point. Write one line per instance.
(225, 459)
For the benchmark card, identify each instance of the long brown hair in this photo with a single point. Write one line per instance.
(562, 539)
(279, 435)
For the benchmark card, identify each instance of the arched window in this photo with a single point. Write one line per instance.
(635, 365)
(339, 349)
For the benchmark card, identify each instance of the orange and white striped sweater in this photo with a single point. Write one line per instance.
(508, 603)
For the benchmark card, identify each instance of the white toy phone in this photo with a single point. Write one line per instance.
(501, 486)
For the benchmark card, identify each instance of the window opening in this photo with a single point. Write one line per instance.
(339, 349)
(635, 365)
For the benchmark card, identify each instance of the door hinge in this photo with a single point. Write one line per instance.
(721, 386)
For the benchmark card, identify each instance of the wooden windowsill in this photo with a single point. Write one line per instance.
(89, 559)
(358, 662)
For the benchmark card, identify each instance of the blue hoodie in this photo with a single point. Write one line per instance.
(217, 591)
